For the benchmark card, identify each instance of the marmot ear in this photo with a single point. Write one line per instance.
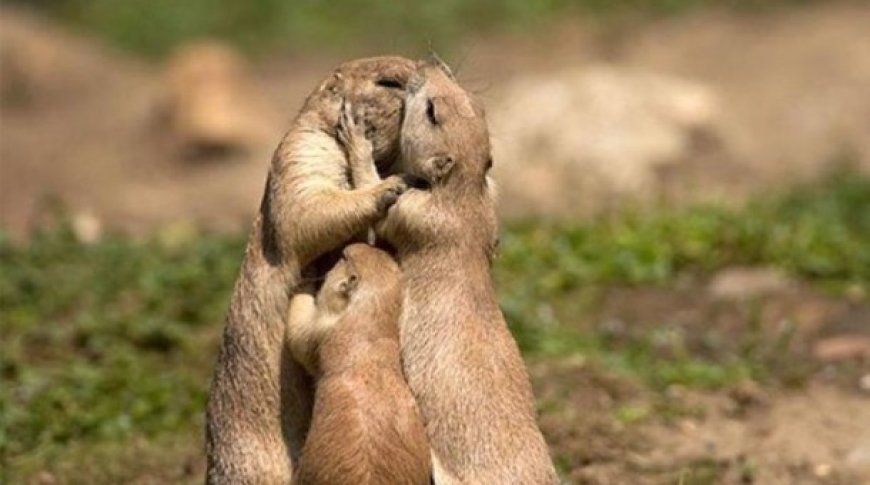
(492, 250)
(348, 286)
(436, 61)
(442, 165)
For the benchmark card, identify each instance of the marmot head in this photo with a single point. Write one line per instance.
(446, 155)
(445, 140)
(376, 87)
(362, 274)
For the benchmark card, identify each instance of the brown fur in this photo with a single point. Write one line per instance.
(260, 401)
(460, 360)
(366, 427)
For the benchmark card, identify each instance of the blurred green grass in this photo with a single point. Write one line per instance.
(109, 344)
(153, 27)
(819, 234)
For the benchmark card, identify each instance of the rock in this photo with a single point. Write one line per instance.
(745, 396)
(856, 293)
(600, 129)
(858, 460)
(822, 470)
(745, 283)
(211, 105)
(87, 227)
(842, 347)
(45, 478)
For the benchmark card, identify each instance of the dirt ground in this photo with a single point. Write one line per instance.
(816, 435)
(88, 131)
(808, 423)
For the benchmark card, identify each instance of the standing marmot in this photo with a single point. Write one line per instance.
(460, 360)
(259, 406)
(366, 427)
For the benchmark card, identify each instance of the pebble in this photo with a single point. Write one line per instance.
(746, 283)
(842, 347)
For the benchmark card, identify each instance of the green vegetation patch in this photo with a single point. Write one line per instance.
(816, 233)
(106, 342)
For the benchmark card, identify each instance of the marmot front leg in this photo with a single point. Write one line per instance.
(327, 218)
(409, 217)
(303, 333)
(352, 136)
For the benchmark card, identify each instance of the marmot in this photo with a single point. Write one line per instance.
(366, 427)
(460, 360)
(259, 406)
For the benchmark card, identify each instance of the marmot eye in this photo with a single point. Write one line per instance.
(488, 164)
(347, 286)
(430, 112)
(390, 83)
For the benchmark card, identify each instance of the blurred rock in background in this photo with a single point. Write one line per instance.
(565, 140)
(212, 103)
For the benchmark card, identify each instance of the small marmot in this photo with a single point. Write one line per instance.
(366, 427)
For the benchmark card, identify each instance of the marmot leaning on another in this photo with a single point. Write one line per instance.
(460, 360)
